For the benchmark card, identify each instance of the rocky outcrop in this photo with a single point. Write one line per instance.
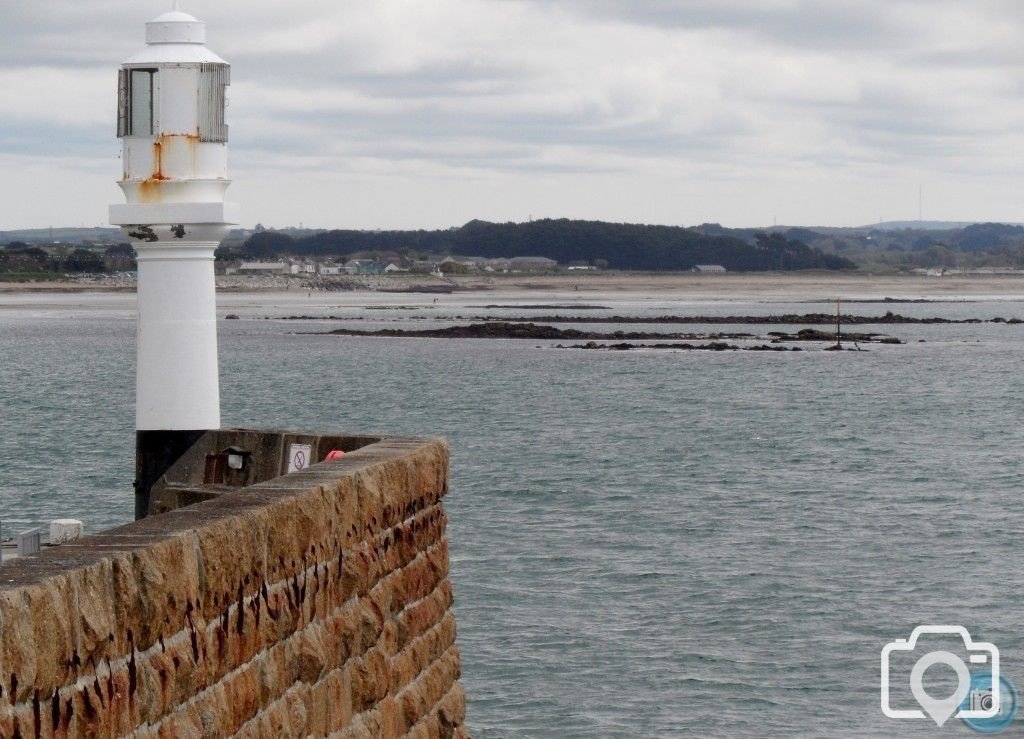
(715, 346)
(508, 330)
(811, 334)
(503, 330)
(828, 319)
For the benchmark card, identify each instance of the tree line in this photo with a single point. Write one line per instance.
(622, 246)
(20, 258)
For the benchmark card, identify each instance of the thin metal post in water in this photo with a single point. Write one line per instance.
(839, 328)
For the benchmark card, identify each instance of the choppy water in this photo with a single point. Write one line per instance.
(643, 544)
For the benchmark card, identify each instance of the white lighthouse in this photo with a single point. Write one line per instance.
(170, 119)
(171, 100)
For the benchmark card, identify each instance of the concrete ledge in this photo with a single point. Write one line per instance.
(306, 603)
(132, 214)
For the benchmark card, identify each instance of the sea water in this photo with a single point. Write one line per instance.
(643, 543)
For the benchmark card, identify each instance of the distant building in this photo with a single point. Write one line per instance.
(708, 268)
(262, 268)
(531, 264)
(364, 267)
(423, 268)
(581, 267)
(329, 269)
(483, 264)
(392, 267)
(302, 268)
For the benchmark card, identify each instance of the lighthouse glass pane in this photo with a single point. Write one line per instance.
(122, 103)
(142, 102)
(213, 78)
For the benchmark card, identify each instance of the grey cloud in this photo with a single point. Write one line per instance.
(738, 89)
(808, 23)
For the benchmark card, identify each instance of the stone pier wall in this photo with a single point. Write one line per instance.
(316, 603)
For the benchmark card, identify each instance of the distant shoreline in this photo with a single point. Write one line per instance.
(793, 286)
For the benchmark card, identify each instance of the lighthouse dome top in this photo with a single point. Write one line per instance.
(175, 27)
(175, 38)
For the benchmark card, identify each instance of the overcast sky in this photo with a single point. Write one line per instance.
(429, 113)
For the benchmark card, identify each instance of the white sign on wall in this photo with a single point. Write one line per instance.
(299, 457)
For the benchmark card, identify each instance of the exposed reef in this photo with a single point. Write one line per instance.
(715, 346)
(549, 306)
(827, 319)
(787, 318)
(813, 334)
(508, 330)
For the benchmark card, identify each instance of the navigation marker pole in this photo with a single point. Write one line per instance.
(839, 328)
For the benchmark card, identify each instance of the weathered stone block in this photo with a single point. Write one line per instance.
(343, 504)
(369, 680)
(311, 656)
(369, 626)
(298, 718)
(356, 572)
(213, 711)
(339, 698)
(152, 589)
(371, 501)
(392, 720)
(17, 645)
(272, 672)
(93, 588)
(252, 729)
(423, 614)
(428, 728)
(296, 523)
(317, 699)
(232, 559)
(277, 722)
(243, 696)
(48, 613)
(451, 710)
(436, 680)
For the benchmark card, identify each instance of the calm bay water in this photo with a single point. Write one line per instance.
(643, 543)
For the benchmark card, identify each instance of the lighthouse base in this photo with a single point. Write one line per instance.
(177, 468)
(155, 453)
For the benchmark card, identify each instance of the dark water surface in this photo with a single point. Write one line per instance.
(643, 543)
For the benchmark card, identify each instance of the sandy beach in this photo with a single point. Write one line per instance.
(775, 286)
(747, 286)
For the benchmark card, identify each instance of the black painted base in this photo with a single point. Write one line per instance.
(155, 452)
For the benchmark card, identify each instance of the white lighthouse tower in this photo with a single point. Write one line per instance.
(171, 100)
